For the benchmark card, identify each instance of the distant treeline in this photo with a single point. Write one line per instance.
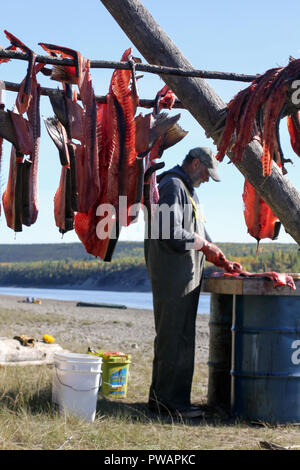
(279, 257)
(66, 265)
(120, 274)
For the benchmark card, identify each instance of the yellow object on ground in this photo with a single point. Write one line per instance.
(48, 339)
(115, 371)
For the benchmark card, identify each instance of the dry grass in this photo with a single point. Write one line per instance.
(27, 420)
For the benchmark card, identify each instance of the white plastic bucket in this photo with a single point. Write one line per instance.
(76, 381)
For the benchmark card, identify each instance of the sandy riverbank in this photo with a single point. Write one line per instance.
(128, 330)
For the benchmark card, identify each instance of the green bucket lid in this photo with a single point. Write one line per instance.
(111, 356)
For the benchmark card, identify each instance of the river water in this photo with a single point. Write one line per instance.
(141, 300)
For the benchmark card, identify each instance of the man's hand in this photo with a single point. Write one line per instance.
(232, 267)
(214, 255)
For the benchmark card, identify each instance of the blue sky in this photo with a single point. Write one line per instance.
(232, 36)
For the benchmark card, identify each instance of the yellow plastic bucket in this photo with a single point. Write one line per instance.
(115, 370)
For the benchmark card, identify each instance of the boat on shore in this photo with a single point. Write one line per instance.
(97, 304)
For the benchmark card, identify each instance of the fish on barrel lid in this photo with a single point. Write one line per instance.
(278, 279)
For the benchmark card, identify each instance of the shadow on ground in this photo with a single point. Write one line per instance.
(139, 412)
(41, 403)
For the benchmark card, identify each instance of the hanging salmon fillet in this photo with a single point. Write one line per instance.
(58, 134)
(170, 137)
(165, 98)
(67, 124)
(118, 169)
(75, 118)
(98, 231)
(23, 132)
(63, 212)
(14, 195)
(293, 123)
(25, 92)
(123, 142)
(1, 144)
(259, 218)
(2, 106)
(154, 133)
(20, 199)
(62, 73)
(30, 178)
(88, 189)
(257, 111)
(8, 198)
(90, 178)
(126, 102)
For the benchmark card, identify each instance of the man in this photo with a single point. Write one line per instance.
(175, 265)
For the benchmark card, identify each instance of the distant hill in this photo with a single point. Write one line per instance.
(62, 251)
(76, 251)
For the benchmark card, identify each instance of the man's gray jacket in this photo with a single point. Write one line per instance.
(175, 272)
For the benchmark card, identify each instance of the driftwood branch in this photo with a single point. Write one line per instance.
(103, 64)
(205, 106)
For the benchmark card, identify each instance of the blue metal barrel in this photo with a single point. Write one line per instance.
(266, 358)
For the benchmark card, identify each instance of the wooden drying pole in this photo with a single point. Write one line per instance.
(7, 131)
(45, 91)
(157, 69)
(205, 106)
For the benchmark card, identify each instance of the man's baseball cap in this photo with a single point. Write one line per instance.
(206, 156)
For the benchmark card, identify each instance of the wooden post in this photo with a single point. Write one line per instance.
(205, 106)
